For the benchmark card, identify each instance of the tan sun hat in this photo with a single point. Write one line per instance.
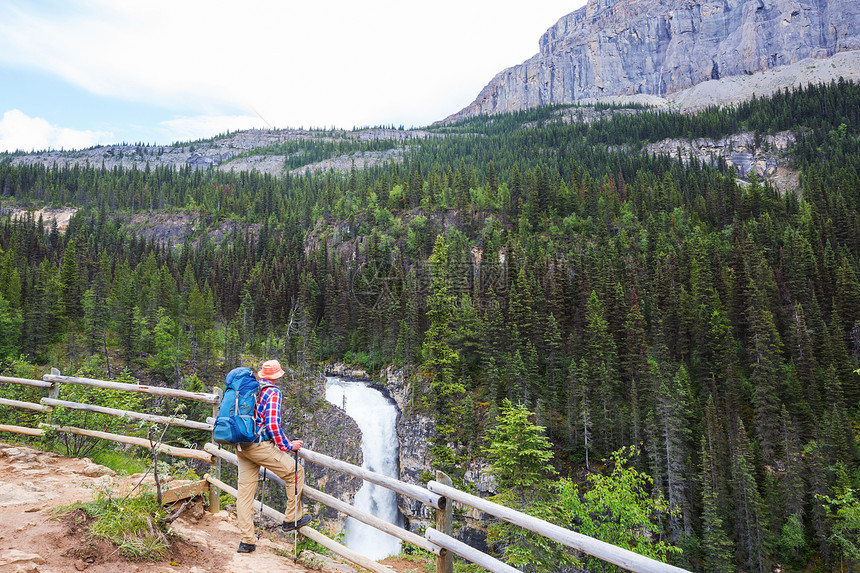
(271, 370)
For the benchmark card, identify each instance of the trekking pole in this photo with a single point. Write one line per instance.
(262, 497)
(296, 510)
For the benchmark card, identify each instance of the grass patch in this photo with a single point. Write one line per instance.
(121, 462)
(133, 523)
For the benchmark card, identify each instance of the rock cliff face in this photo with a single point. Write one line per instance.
(414, 431)
(741, 151)
(659, 47)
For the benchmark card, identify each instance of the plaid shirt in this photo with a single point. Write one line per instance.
(269, 416)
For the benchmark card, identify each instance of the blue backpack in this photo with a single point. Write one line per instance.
(235, 423)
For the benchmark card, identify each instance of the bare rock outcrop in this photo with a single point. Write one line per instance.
(660, 47)
(259, 150)
(742, 151)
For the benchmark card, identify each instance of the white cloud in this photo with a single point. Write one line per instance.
(18, 131)
(204, 126)
(311, 64)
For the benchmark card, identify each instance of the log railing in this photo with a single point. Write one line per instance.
(439, 494)
(612, 553)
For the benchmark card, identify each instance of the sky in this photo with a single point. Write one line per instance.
(79, 73)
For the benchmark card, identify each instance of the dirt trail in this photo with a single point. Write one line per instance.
(32, 540)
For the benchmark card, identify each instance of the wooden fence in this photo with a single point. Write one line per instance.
(439, 494)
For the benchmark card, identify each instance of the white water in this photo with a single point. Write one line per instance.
(376, 417)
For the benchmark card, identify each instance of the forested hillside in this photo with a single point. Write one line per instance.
(624, 299)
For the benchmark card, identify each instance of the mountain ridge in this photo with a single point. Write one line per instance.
(659, 48)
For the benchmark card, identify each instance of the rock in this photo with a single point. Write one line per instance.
(660, 47)
(9, 557)
(478, 473)
(196, 511)
(96, 470)
(22, 456)
(346, 371)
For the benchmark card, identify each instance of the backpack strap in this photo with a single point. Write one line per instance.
(263, 434)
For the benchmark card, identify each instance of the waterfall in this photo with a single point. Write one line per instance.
(376, 417)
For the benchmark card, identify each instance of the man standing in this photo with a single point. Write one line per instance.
(270, 452)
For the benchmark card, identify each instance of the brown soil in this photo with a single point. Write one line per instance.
(402, 565)
(34, 540)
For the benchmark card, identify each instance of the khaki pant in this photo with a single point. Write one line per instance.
(251, 458)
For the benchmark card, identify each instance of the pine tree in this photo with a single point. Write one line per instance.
(672, 411)
(817, 478)
(792, 538)
(69, 285)
(554, 386)
(516, 190)
(447, 394)
(10, 330)
(466, 327)
(96, 312)
(520, 456)
(764, 351)
(519, 451)
(124, 302)
(716, 545)
(520, 307)
(750, 523)
(10, 278)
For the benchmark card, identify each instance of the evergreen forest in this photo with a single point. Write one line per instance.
(517, 263)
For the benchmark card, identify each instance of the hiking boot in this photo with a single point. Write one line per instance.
(245, 547)
(291, 525)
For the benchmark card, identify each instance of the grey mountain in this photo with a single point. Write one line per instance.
(661, 47)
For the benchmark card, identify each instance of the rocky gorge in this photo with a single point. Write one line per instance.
(415, 429)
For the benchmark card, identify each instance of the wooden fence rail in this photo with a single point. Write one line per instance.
(415, 492)
(25, 382)
(624, 558)
(437, 494)
(468, 552)
(134, 441)
(26, 405)
(142, 388)
(334, 503)
(35, 432)
(128, 414)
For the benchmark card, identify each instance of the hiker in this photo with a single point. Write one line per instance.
(272, 452)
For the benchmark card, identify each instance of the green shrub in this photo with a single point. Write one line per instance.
(133, 523)
(121, 462)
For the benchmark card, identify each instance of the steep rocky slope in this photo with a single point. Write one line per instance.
(661, 47)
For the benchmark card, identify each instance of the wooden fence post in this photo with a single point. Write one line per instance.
(214, 492)
(54, 392)
(445, 524)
